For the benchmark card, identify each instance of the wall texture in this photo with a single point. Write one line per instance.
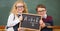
(53, 9)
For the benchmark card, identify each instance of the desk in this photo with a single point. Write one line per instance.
(55, 28)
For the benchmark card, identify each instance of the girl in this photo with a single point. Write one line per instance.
(15, 16)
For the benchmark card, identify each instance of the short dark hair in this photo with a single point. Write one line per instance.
(40, 6)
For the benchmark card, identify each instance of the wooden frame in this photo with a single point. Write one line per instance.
(29, 16)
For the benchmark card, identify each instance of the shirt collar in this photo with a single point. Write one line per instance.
(45, 16)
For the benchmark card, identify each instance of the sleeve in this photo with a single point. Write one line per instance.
(50, 21)
(12, 22)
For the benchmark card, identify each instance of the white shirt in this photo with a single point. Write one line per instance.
(12, 21)
(45, 16)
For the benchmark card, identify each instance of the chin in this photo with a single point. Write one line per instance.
(20, 11)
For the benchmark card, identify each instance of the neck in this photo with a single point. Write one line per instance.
(20, 13)
(45, 16)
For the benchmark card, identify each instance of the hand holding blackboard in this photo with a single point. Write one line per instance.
(20, 18)
(20, 29)
(42, 24)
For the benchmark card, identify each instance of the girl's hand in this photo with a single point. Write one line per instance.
(20, 29)
(21, 18)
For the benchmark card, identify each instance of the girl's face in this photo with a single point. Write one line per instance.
(20, 7)
(41, 11)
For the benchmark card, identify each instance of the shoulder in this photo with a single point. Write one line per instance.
(11, 14)
(49, 17)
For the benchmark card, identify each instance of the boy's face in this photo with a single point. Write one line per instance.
(41, 11)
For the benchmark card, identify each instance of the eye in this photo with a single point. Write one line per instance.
(20, 6)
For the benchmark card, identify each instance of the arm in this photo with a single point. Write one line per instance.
(12, 22)
(50, 21)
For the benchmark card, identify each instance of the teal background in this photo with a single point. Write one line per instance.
(53, 9)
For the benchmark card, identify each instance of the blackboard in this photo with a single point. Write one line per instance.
(30, 21)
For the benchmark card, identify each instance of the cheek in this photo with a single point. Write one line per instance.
(23, 9)
(20, 9)
(44, 13)
(41, 13)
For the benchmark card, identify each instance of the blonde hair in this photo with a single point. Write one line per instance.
(13, 10)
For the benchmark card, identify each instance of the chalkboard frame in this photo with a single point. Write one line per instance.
(28, 24)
